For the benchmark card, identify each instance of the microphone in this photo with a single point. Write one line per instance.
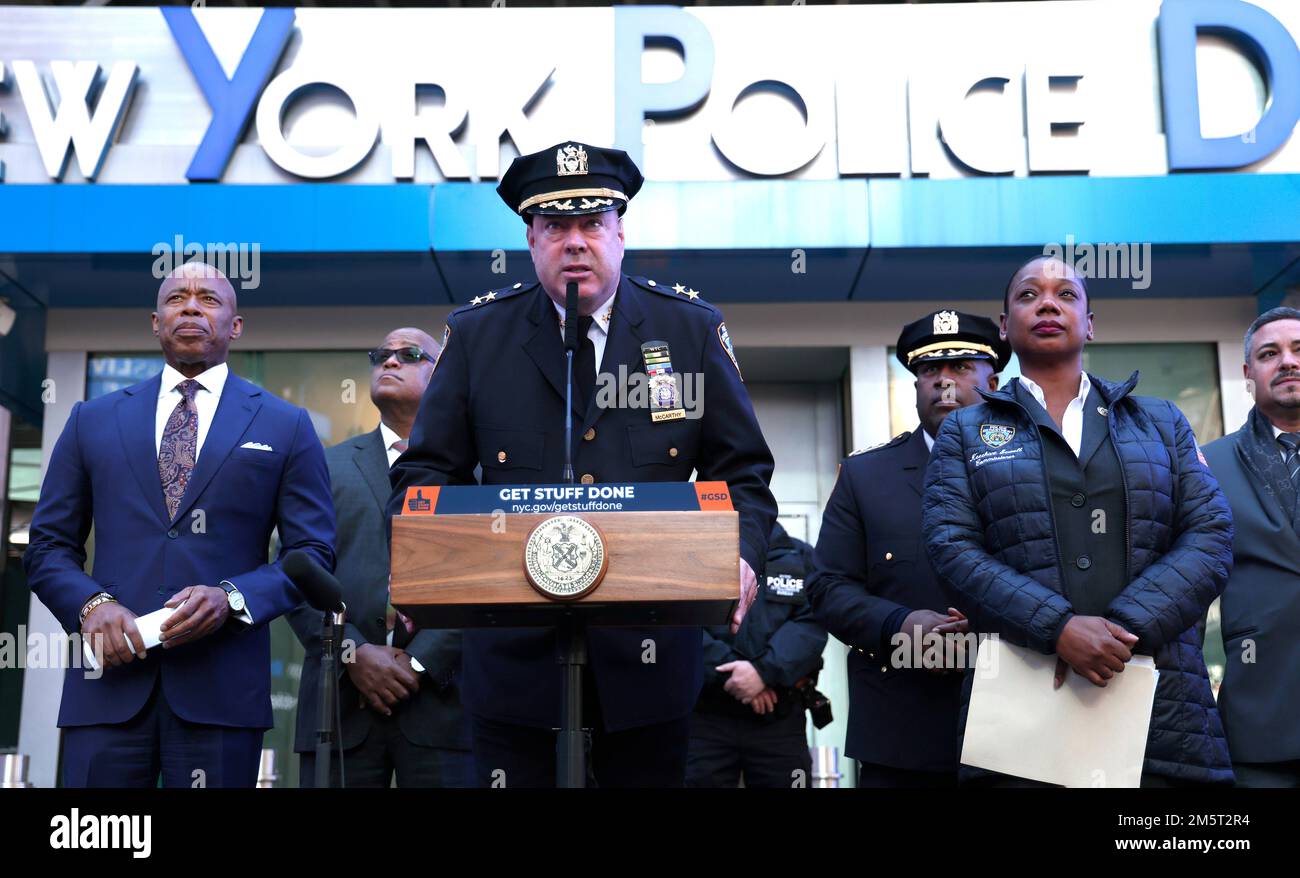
(321, 589)
(571, 342)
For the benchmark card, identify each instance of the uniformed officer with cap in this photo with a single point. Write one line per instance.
(872, 581)
(496, 400)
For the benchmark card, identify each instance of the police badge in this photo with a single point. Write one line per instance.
(996, 435)
(565, 557)
(569, 160)
(945, 323)
(665, 404)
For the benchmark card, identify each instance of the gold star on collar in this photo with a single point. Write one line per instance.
(679, 289)
(691, 294)
(490, 296)
(477, 300)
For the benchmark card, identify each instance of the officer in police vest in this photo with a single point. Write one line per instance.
(872, 586)
(496, 400)
(749, 722)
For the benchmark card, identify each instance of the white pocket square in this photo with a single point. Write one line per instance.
(256, 446)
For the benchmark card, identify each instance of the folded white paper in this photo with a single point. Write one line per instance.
(149, 626)
(1080, 735)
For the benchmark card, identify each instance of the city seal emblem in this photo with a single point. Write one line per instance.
(996, 435)
(565, 557)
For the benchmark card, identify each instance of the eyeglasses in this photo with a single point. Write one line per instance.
(405, 355)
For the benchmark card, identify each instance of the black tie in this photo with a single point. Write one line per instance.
(584, 365)
(1290, 443)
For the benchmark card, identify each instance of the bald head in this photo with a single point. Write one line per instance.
(198, 275)
(396, 386)
(195, 319)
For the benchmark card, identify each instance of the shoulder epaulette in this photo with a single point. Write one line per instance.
(897, 440)
(676, 291)
(496, 295)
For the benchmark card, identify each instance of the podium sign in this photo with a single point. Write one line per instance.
(656, 553)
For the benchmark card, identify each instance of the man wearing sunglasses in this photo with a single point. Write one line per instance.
(497, 401)
(398, 699)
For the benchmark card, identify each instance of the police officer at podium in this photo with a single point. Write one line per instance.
(872, 581)
(496, 400)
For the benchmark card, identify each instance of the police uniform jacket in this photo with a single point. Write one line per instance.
(870, 570)
(779, 636)
(496, 400)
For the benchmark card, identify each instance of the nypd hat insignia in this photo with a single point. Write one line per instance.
(952, 335)
(570, 179)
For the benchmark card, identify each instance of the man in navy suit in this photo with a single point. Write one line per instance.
(183, 477)
(496, 400)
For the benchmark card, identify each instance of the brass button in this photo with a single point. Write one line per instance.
(501, 457)
(883, 669)
(889, 556)
(672, 452)
(588, 478)
(590, 434)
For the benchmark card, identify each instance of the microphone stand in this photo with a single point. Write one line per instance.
(327, 705)
(570, 744)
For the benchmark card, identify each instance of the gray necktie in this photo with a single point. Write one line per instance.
(1290, 443)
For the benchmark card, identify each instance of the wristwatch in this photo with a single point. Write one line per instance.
(233, 597)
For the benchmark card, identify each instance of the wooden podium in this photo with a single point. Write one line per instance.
(569, 557)
(664, 566)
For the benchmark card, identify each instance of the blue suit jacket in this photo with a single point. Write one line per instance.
(497, 400)
(104, 472)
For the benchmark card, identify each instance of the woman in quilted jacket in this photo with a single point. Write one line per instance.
(1068, 516)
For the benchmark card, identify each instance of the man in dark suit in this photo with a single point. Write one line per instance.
(1258, 468)
(871, 581)
(183, 477)
(497, 401)
(399, 704)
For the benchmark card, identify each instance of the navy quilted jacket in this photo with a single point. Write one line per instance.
(988, 523)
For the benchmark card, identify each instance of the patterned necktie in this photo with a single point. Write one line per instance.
(1290, 442)
(399, 446)
(179, 447)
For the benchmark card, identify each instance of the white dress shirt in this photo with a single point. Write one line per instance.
(929, 440)
(390, 439)
(211, 382)
(1072, 423)
(599, 332)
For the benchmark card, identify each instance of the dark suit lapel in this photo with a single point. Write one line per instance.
(915, 457)
(372, 459)
(136, 422)
(239, 402)
(623, 347)
(1095, 427)
(544, 345)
